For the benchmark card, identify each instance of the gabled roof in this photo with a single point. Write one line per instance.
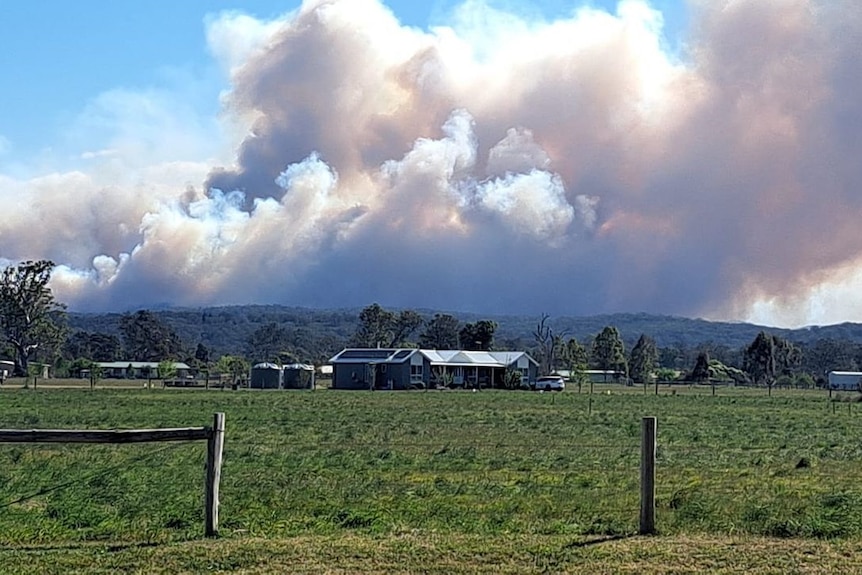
(452, 357)
(474, 358)
(372, 355)
(137, 364)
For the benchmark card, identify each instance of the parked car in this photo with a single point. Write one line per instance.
(550, 383)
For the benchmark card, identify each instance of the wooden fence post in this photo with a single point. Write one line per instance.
(648, 443)
(215, 444)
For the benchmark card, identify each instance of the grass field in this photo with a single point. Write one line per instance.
(516, 482)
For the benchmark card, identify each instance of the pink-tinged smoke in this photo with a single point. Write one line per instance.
(497, 165)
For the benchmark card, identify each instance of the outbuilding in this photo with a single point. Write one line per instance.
(845, 380)
(6, 368)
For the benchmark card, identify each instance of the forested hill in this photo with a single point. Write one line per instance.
(227, 329)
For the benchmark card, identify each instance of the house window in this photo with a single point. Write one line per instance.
(416, 372)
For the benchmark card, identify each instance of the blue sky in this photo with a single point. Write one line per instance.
(56, 56)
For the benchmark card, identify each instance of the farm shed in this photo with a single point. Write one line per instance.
(139, 369)
(359, 368)
(298, 376)
(266, 376)
(845, 380)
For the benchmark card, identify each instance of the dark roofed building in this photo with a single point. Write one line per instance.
(357, 368)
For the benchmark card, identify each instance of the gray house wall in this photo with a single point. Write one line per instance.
(359, 375)
(349, 376)
(394, 376)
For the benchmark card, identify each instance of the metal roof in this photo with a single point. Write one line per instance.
(372, 355)
(265, 365)
(474, 358)
(453, 357)
(299, 367)
(138, 364)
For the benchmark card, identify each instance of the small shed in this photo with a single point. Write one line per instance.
(298, 376)
(845, 380)
(265, 376)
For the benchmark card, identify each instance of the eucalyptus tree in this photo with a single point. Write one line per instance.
(769, 356)
(147, 338)
(577, 361)
(379, 327)
(643, 359)
(441, 332)
(609, 352)
(478, 336)
(31, 320)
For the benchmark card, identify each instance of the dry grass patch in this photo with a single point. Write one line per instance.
(417, 552)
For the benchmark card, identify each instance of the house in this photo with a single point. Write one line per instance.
(139, 369)
(363, 368)
(845, 380)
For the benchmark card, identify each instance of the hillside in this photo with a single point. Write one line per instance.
(226, 329)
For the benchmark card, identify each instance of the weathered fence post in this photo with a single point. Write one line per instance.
(648, 443)
(215, 444)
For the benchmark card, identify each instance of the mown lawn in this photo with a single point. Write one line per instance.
(330, 481)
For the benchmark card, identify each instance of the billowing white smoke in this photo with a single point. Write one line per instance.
(472, 166)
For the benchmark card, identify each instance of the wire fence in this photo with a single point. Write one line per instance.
(310, 475)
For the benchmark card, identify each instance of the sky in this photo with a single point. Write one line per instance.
(695, 158)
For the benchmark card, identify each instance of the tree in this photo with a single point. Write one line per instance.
(202, 354)
(167, 370)
(609, 353)
(147, 338)
(577, 360)
(266, 343)
(375, 327)
(700, 372)
(94, 346)
(405, 324)
(826, 355)
(478, 336)
(440, 333)
(769, 356)
(30, 318)
(236, 367)
(548, 345)
(379, 327)
(643, 359)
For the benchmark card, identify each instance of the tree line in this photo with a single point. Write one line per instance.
(33, 328)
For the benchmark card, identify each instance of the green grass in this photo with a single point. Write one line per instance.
(446, 467)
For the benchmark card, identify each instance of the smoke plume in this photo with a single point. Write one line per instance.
(496, 164)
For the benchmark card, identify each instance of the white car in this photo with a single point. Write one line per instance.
(550, 383)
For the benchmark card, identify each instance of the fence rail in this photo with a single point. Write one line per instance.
(103, 436)
(215, 445)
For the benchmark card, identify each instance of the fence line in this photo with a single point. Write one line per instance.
(215, 444)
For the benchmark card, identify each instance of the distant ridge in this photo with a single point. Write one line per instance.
(226, 329)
